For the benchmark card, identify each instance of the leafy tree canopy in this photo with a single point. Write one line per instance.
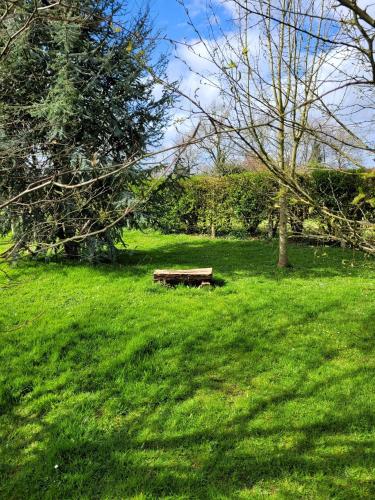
(77, 101)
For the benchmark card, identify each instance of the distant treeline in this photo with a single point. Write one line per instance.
(246, 203)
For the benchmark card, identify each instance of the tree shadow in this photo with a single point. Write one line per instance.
(140, 455)
(230, 259)
(298, 432)
(234, 258)
(204, 413)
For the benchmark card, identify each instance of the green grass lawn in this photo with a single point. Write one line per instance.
(114, 387)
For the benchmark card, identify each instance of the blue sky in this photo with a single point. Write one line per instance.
(169, 16)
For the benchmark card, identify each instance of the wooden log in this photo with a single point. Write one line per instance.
(193, 276)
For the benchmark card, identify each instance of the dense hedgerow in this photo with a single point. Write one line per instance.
(350, 192)
(238, 203)
(217, 205)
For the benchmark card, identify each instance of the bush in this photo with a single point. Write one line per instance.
(212, 205)
(238, 203)
(350, 193)
(172, 207)
(252, 195)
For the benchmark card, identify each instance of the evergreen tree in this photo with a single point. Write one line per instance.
(76, 102)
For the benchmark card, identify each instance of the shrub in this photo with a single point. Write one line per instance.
(252, 197)
(238, 203)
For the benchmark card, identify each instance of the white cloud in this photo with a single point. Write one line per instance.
(199, 78)
(195, 7)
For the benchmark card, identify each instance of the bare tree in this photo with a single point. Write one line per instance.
(270, 79)
(279, 70)
(213, 152)
(219, 154)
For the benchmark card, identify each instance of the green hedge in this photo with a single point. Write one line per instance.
(349, 192)
(238, 203)
(215, 205)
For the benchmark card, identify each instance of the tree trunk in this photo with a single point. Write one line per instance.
(213, 231)
(71, 249)
(297, 218)
(272, 224)
(283, 228)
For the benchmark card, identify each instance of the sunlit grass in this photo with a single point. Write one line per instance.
(114, 387)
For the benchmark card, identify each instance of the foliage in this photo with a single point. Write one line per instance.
(346, 191)
(253, 197)
(219, 205)
(113, 387)
(77, 102)
(235, 204)
(173, 207)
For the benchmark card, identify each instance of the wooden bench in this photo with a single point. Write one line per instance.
(202, 277)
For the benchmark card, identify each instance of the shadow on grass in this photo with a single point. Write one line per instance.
(246, 258)
(196, 411)
(203, 429)
(229, 259)
(221, 459)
